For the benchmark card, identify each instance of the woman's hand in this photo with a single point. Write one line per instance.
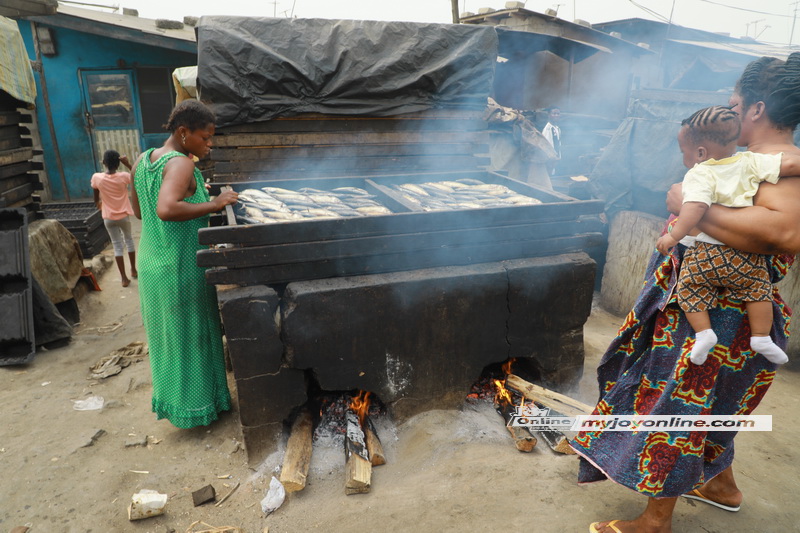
(675, 198)
(124, 160)
(228, 197)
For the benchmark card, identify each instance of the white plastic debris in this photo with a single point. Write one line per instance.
(92, 403)
(146, 503)
(275, 496)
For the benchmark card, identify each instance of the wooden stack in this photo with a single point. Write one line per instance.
(17, 180)
(309, 146)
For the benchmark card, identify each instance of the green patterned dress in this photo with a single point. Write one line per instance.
(179, 308)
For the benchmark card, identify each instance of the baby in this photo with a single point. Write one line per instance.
(718, 175)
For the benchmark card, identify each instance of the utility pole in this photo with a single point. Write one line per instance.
(454, 7)
(794, 20)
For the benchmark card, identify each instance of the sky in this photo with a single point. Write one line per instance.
(769, 21)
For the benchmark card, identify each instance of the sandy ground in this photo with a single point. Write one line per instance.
(65, 470)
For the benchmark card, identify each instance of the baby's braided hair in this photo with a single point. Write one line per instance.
(718, 124)
(777, 84)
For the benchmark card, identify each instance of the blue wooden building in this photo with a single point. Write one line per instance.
(104, 81)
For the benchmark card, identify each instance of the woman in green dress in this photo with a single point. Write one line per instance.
(179, 308)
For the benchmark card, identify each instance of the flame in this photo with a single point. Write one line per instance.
(507, 366)
(502, 396)
(360, 405)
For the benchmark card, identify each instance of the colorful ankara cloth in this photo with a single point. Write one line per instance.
(646, 370)
(179, 308)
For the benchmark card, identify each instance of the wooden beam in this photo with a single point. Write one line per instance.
(298, 453)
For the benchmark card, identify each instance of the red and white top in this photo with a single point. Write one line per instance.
(114, 194)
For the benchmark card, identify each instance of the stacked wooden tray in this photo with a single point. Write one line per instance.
(17, 344)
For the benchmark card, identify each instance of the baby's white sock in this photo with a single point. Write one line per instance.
(769, 349)
(703, 342)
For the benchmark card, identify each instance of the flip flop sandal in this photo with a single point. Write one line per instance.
(697, 495)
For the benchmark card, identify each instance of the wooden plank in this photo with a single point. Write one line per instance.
(359, 150)
(376, 264)
(14, 170)
(17, 155)
(330, 165)
(374, 446)
(347, 138)
(256, 256)
(17, 181)
(17, 194)
(351, 124)
(358, 468)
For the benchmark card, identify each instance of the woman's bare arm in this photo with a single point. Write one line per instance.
(175, 187)
(771, 226)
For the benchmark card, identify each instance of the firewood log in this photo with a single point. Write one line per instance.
(298, 453)
(523, 439)
(558, 402)
(358, 468)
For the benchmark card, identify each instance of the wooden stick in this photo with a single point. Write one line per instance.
(374, 446)
(298, 453)
(229, 216)
(559, 402)
(358, 468)
(523, 439)
(227, 495)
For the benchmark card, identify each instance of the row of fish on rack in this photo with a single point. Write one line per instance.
(270, 205)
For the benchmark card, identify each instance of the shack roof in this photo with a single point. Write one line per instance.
(521, 19)
(658, 33)
(118, 26)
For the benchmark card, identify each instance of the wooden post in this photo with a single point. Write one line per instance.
(358, 468)
(298, 453)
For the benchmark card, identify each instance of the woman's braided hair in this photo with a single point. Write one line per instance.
(718, 124)
(777, 84)
(191, 114)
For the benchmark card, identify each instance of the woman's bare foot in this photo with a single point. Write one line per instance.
(134, 274)
(656, 518)
(125, 282)
(722, 489)
(639, 525)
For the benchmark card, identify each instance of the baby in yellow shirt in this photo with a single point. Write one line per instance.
(719, 175)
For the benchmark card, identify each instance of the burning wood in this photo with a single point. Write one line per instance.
(298, 453)
(358, 468)
(374, 446)
(523, 439)
(558, 405)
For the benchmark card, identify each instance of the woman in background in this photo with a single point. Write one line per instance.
(179, 308)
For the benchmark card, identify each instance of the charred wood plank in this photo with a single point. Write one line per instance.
(374, 264)
(391, 162)
(358, 467)
(15, 169)
(348, 138)
(556, 441)
(298, 453)
(280, 153)
(277, 254)
(344, 228)
(332, 124)
(9, 157)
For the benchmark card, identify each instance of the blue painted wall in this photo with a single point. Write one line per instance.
(77, 50)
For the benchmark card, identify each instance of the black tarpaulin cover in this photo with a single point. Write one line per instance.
(252, 69)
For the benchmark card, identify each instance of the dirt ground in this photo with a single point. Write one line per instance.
(67, 471)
